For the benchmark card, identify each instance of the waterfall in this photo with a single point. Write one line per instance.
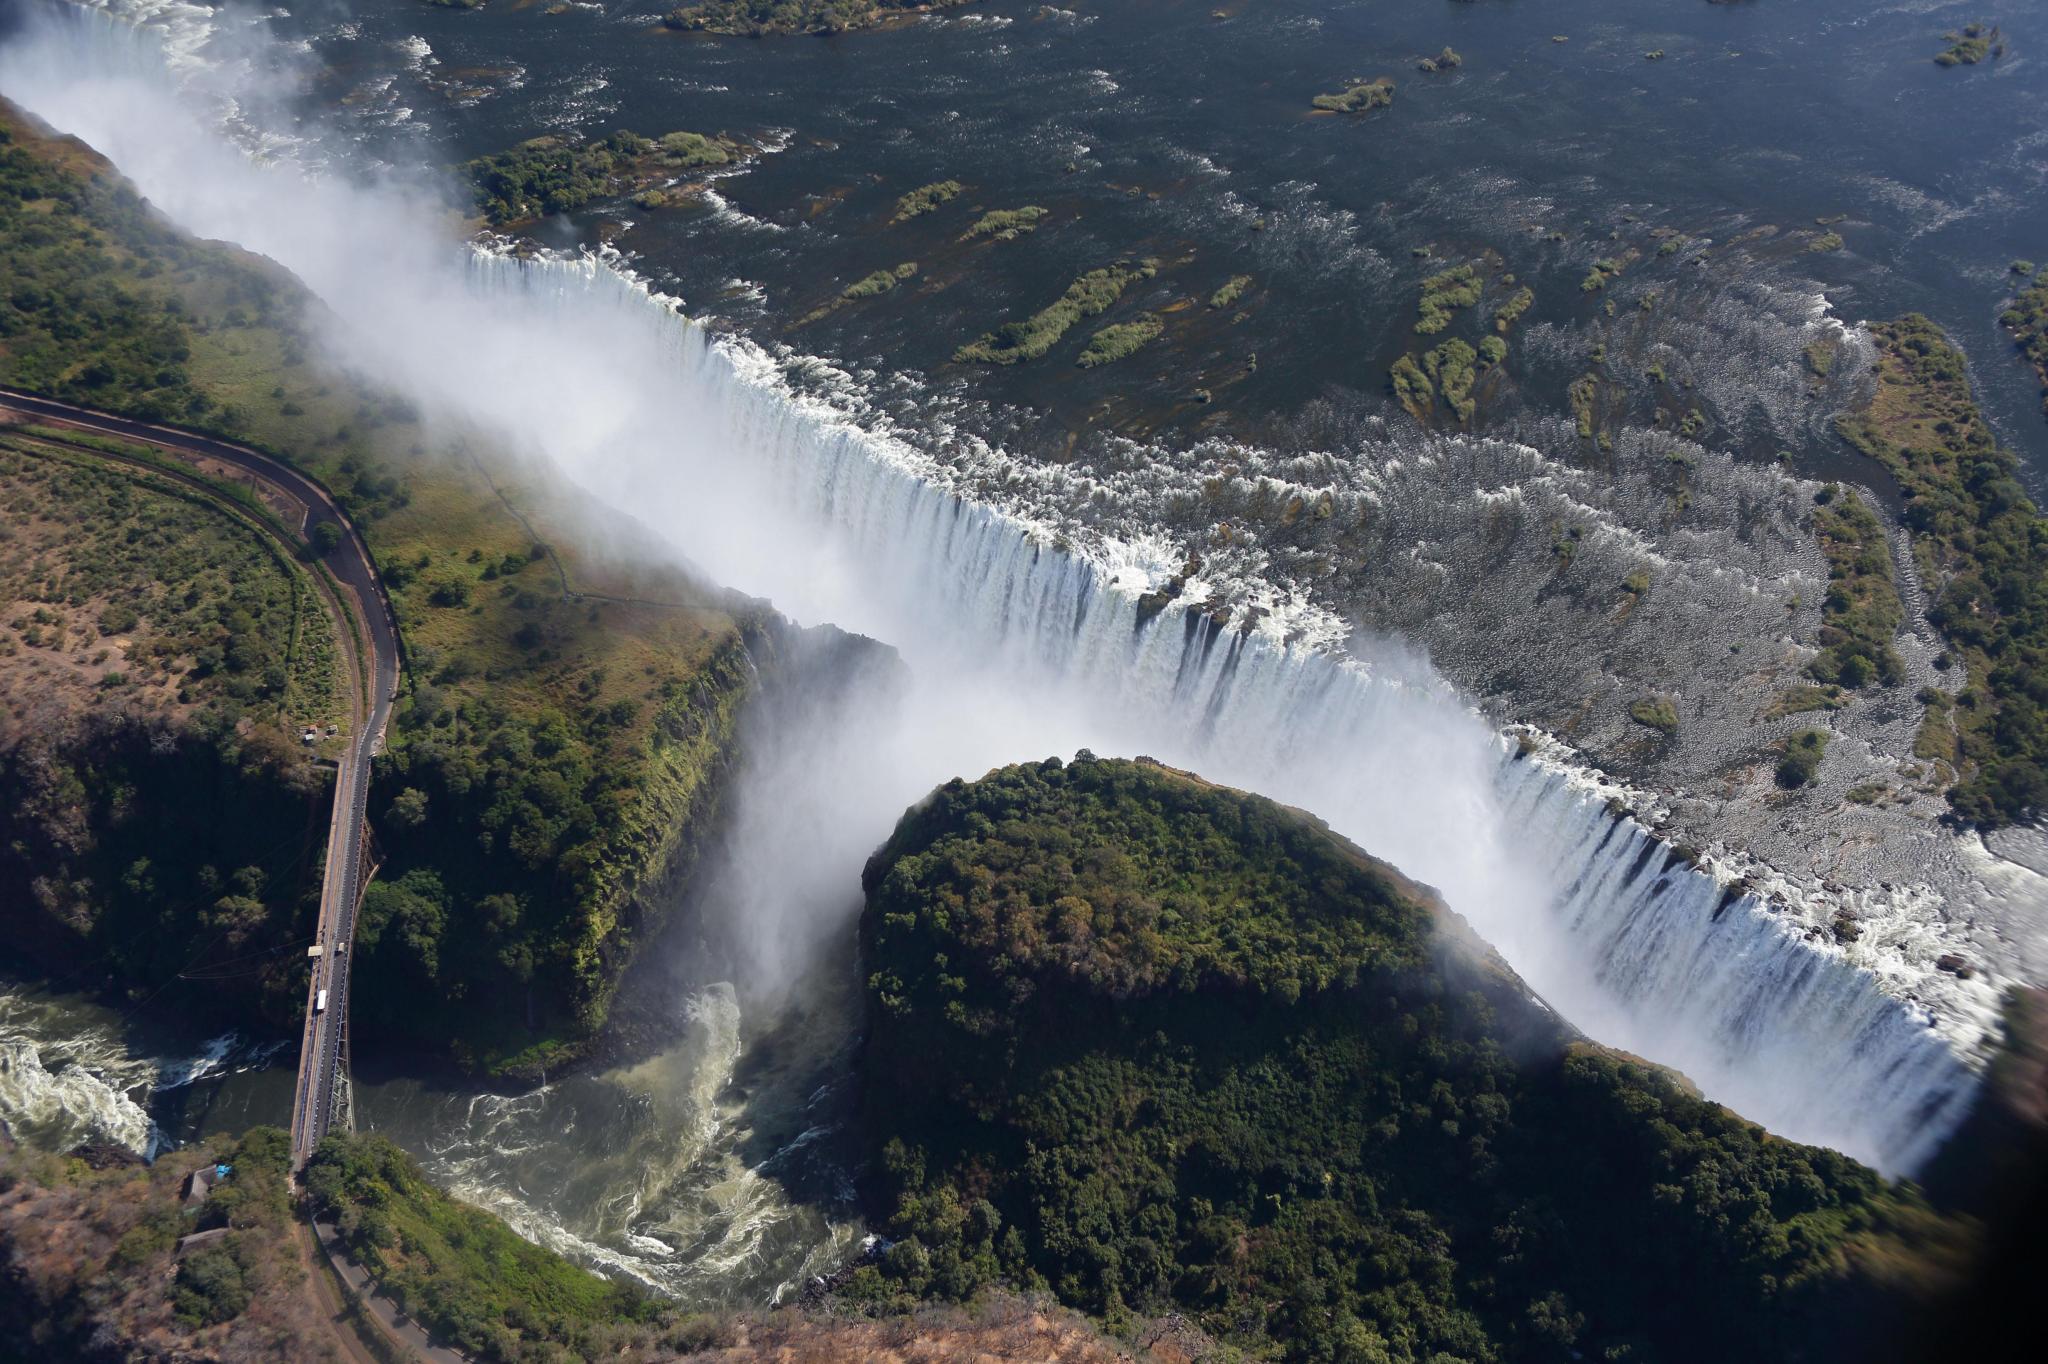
(1638, 946)
(1029, 634)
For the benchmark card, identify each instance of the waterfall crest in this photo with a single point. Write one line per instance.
(1631, 941)
(1027, 637)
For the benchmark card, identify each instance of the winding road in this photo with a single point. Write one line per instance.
(361, 595)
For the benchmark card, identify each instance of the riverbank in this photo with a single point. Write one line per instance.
(618, 685)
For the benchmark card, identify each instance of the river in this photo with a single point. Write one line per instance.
(847, 472)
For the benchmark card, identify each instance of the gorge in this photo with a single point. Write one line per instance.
(1035, 610)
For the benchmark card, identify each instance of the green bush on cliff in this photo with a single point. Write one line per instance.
(517, 892)
(1158, 1045)
(2027, 320)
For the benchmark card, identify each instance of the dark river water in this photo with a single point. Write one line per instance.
(1183, 132)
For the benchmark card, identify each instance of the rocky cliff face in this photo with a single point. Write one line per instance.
(142, 855)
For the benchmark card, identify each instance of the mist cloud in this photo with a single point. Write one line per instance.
(1014, 650)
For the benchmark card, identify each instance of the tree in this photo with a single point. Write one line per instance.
(326, 539)
(409, 807)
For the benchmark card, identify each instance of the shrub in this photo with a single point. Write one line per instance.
(1657, 712)
(1030, 338)
(1802, 755)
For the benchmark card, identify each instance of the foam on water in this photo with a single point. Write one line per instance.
(1027, 634)
(1000, 615)
(71, 1071)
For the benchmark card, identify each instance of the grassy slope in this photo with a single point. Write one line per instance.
(156, 653)
(626, 708)
(1982, 549)
(1152, 1044)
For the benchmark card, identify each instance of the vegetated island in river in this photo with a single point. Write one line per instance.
(1972, 44)
(1030, 338)
(559, 175)
(552, 767)
(1981, 547)
(1357, 97)
(2027, 320)
(760, 18)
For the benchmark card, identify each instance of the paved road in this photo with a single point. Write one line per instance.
(320, 1046)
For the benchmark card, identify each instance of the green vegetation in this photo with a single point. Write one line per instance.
(1447, 372)
(1029, 339)
(1358, 97)
(558, 175)
(461, 1272)
(565, 752)
(1862, 613)
(758, 18)
(1232, 290)
(91, 1268)
(1972, 45)
(925, 199)
(1597, 278)
(1159, 1046)
(1802, 755)
(1826, 241)
(1444, 294)
(91, 1253)
(1510, 311)
(1446, 60)
(1805, 697)
(92, 1258)
(1657, 712)
(79, 318)
(162, 835)
(115, 571)
(1584, 395)
(867, 286)
(2027, 320)
(1119, 340)
(880, 282)
(1982, 551)
(1006, 224)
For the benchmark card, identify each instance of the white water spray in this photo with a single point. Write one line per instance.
(1020, 645)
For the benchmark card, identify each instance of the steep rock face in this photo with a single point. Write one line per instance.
(1150, 1043)
(143, 853)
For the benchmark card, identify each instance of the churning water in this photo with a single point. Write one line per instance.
(1016, 593)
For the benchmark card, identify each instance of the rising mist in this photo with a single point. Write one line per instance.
(1014, 646)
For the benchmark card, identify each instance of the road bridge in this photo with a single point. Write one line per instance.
(368, 628)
